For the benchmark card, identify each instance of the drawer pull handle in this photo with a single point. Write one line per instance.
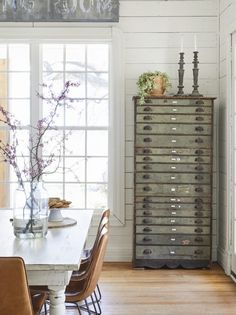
(199, 177)
(147, 158)
(199, 118)
(198, 206)
(146, 176)
(147, 199)
(147, 229)
(147, 140)
(198, 239)
(199, 189)
(199, 168)
(198, 230)
(147, 109)
(172, 252)
(147, 167)
(198, 200)
(200, 102)
(147, 239)
(147, 188)
(199, 110)
(146, 206)
(173, 239)
(198, 214)
(147, 101)
(147, 221)
(147, 117)
(199, 152)
(147, 212)
(199, 128)
(199, 140)
(147, 128)
(147, 151)
(198, 252)
(199, 159)
(147, 252)
(198, 221)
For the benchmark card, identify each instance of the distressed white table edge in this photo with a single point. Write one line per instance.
(49, 261)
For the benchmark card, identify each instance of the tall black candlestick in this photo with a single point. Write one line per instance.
(181, 74)
(195, 75)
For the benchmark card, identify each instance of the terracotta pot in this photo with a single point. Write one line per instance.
(159, 88)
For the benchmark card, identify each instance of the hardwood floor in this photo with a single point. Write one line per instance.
(165, 292)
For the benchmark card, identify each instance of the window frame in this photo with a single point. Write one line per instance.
(116, 199)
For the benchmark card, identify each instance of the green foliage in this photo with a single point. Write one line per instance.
(145, 83)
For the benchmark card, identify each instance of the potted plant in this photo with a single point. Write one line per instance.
(152, 83)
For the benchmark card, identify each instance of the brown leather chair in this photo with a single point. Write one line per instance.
(88, 252)
(15, 297)
(81, 287)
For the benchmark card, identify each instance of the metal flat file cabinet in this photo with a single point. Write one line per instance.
(173, 182)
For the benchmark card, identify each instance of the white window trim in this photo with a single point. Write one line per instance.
(97, 34)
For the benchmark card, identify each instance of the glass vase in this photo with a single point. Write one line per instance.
(30, 213)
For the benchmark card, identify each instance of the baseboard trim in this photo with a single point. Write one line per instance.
(224, 259)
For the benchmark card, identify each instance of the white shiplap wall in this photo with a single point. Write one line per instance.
(152, 32)
(227, 18)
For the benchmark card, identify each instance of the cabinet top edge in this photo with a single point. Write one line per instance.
(177, 97)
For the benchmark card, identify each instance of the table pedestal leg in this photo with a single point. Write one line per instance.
(57, 300)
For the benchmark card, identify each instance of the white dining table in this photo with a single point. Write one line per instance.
(50, 260)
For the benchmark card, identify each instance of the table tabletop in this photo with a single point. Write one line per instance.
(60, 250)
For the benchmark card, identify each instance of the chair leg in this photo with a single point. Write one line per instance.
(99, 293)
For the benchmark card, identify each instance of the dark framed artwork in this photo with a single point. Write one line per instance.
(59, 10)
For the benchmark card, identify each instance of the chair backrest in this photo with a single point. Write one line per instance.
(90, 279)
(104, 221)
(14, 292)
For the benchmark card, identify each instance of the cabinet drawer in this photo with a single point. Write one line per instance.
(171, 189)
(177, 201)
(180, 102)
(173, 129)
(173, 151)
(161, 229)
(173, 252)
(172, 221)
(173, 141)
(174, 118)
(173, 178)
(173, 213)
(159, 239)
(175, 206)
(173, 168)
(172, 159)
(174, 109)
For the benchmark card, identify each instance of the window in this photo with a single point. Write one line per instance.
(89, 169)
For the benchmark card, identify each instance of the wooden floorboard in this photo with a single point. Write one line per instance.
(127, 291)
